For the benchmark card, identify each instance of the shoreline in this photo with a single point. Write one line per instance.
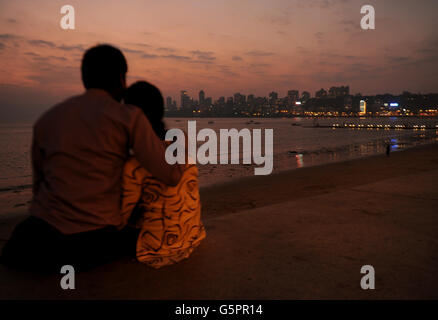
(288, 156)
(301, 234)
(282, 180)
(18, 212)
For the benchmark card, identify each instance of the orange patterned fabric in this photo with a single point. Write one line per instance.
(169, 217)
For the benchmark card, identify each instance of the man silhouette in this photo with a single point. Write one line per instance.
(78, 152)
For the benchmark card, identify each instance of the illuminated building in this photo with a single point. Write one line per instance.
(185, 100)
(363, 107)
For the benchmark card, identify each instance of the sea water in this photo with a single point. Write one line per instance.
(296, 143)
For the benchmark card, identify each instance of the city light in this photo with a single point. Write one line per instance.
(335, 102)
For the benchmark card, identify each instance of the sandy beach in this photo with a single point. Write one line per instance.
(301, 234)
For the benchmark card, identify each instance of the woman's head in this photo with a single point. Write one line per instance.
(150, 100)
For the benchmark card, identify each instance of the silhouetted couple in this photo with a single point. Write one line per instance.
(102, 188)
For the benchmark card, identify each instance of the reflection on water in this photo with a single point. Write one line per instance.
(352, 151)
(296, 144)
(300, 160)
(300, 157)
(394, 145)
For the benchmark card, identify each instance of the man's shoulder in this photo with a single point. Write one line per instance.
(107, 105)
(98, 101)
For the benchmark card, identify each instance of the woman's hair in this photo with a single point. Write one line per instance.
(149, 99)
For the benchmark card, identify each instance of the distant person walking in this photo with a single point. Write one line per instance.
(388, 149)
(79, 150)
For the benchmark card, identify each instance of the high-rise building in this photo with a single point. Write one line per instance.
(273, 97)
(345, 91)
(201, 97)
(293, 95)
(221, 100)
(321, 94)
(168, 102)
(363, 107)
(305, 96)
(229, 106)
(185, 100)
(335, 92)
(239, 99)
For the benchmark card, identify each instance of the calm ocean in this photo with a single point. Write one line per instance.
(296, 144)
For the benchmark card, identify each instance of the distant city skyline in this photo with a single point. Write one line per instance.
(312, 94)
(336, 101)
(221, 47)
(195, 91)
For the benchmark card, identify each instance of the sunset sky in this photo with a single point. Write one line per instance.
(222, 46)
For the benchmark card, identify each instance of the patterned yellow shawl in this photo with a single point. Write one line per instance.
(169, 217)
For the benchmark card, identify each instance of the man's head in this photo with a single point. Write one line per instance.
(104, 67)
